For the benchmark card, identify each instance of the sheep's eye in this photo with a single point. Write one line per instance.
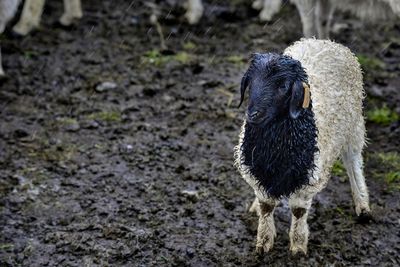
(282, 89)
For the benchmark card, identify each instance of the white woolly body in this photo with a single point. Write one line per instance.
(337, 92)
(336, 86)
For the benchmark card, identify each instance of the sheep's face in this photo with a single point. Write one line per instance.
(275, 85)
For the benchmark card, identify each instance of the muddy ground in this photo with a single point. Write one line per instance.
(141, 174)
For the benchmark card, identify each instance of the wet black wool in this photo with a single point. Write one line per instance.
(280, 153)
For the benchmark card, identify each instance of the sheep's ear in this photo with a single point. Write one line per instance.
(243, 86)
(296, 100)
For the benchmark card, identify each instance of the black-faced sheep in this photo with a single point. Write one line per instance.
(304, 111)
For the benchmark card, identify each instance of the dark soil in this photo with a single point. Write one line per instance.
(142, 174)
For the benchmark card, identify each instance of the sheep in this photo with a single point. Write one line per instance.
(268, 8)
(32, 11)
(7, 10)
(304, 112)
(316, 15)
(31, 14)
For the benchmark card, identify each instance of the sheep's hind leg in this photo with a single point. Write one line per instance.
(2, 74)
(266, 231)
(306, 10)
(324, 14)
(72, 11)
(269, 9)
(254, 207)
(300, 204)
(352, 160)
(30, 17)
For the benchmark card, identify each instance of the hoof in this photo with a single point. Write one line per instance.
(259, 250)
(298, 250)
(16, 35)
(24, 30)
(68, 27)
(263, 249)
(68, 23)
(3, 78)
(364, 217)
(258, 4)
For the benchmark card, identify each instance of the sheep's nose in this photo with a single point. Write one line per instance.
(253, 115)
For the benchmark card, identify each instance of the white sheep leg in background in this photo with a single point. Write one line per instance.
(269, 9)
(194, 11)
(72, 11)
(395, 5)
(8, 8)
(323, 17)
(306, 10)
(1, 66)
(266, 231)
(30, 17)
(352, 160)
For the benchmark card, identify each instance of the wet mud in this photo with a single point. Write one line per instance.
(115, 153)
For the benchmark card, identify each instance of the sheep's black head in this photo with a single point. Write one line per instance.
(276, 88)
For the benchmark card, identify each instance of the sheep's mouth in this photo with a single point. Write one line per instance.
(256, 120)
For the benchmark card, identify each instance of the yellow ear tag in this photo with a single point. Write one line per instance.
(306, 101)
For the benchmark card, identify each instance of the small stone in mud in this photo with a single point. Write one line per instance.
(126, 148)
(73, 127)
(190, 252)
(20, 133)
(105, 86)
(135, 20)
(192, 195)
(90, 124)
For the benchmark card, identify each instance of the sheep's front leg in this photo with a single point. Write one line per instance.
(72, 11)
(30, 17)
(266, 227)
(299, 205)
